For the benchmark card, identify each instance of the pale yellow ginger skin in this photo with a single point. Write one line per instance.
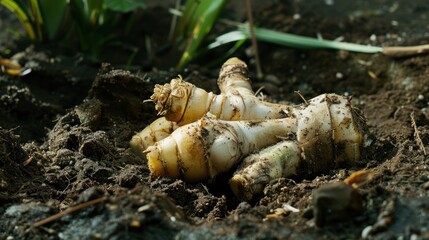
(233, 78)
(156, 131)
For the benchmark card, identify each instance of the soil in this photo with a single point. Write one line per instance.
(65, 131)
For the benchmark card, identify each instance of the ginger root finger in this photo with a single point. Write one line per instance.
(329, 133)
(257, 170)
(233, 78)
(181, 102)
(208, 147)
(156, 131)
(184, 103)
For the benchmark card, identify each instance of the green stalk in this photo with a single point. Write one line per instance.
(184, 21)
(22, 16)
(200, 24)
(291, 40)
(53, 13)
(37, 17)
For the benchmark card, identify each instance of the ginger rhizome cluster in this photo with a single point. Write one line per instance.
(202, 134)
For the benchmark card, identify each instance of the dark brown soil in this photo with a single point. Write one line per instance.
(65, 128)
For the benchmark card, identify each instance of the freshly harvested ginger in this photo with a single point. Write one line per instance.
(320, 135)
(208, 147)
(216, 133)
(329, 133)
(181, 103)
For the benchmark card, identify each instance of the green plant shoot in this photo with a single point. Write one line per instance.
(195, 24)
(291, 40)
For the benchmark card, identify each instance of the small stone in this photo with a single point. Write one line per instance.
(336, 202)
(426, 185)
(339, 75)
(366, 232)
(414, 237)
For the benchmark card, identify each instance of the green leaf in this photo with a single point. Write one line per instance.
(202, 20)
(124, 5)
(53, 12)
(291, 40)
(218, 61)
(18, 8)
(184, 21)
(229, 37)
(37, 18)
(93, 10)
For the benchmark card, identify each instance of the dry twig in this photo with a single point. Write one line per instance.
(417, 134)
(405, 51)
(253, 39)
(70, 210)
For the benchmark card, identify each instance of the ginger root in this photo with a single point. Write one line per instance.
(329, 133)
(320, 135)
(214, 134)
(181, 103)
(208, 147)
(156, 131)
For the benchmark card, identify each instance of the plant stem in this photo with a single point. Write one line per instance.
(22, 15)
(253, 38)
(405, 51)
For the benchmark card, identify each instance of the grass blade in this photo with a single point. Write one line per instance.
(22, 16)
(188, 13)
(53, 12)
(297, 41)
(200, 25)
(292, 40)
(124, 6)
(37, 18)
(229, 37)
